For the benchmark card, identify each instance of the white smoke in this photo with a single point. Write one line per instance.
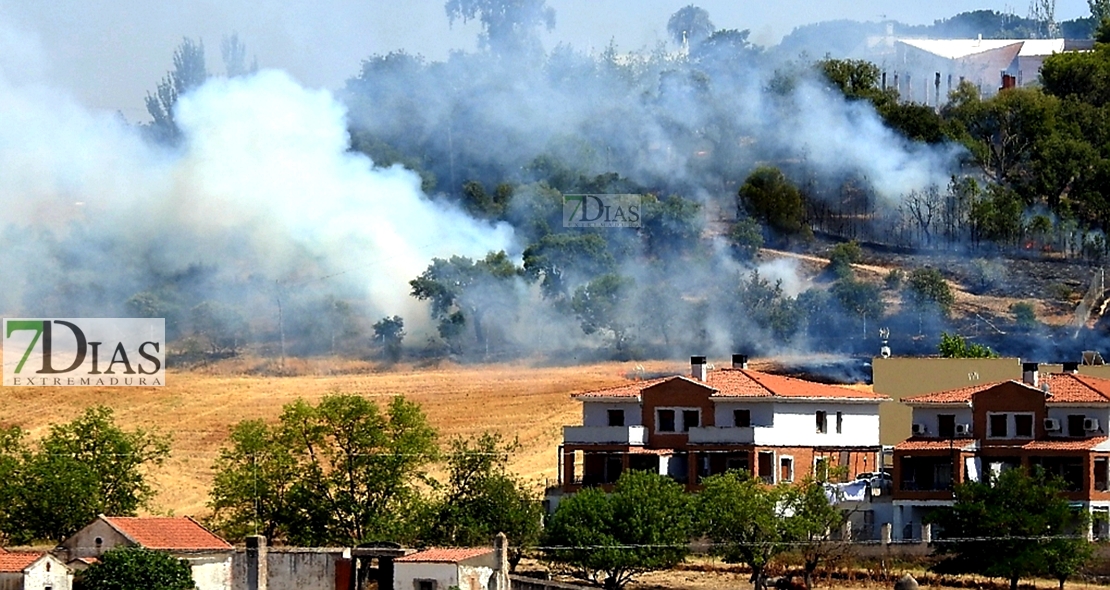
(263, 188)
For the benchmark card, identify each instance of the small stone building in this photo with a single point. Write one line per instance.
(440, 569)
(209, 556)
(33, 571)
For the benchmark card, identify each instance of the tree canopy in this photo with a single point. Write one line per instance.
(128, 568)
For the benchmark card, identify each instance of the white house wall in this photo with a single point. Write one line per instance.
(474, 578)
(763, 414)
(211, 572)
(929, 417)
(38, 578)
(1062, 413)
(445, 574)
(597, 413)
(796, 425)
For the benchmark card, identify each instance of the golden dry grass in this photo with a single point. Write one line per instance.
(198, 408)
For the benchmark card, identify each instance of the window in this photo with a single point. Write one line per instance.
(786, 469)
(946, 425)
(822, 422)
(821, 468)
(1075, 425)
(424, 584)
(767, 466)
(1023, 425)
(997, 424)
(690, 419)
(839, 422)
(665, 421)
(1101, 473)
(736, 463)
(742, 418)
(613, 468)
(616, 417)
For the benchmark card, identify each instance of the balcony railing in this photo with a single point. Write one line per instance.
(605, 435)
(722, 435)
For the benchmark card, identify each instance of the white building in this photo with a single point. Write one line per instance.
(440, 569)
(208, 555)
(33, 571)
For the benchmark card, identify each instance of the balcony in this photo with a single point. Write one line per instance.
(605, 435)
(727, 435)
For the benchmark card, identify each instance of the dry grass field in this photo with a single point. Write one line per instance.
(198, 407)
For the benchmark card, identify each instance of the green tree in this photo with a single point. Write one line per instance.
(863, 300)
(769, 197)
(80, 469)
(559, 261)
(508, 26)
(130, 568)
(390, 332)
(843, 256)
(746, 238)
(342, 471)
(609, 539)
(1014, 526)
(690, 25)
(927, 287)
(670, 226)
(954, 346)
(188, 72)
(813, 520)
(744, 520)
(601, 307)
(1025, 316)
(483, 498)
(463, 292)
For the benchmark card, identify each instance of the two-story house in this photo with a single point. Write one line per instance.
(779, 428)
(1058, 422)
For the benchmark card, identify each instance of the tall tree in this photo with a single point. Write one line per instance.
(80, 469)
(483, 498)
(609, 539)
(769, 197)
(189, 72)
(342, 471)
(390, 332)
(690, 25)
(744, 520)
(601, 307)
(234, 53)
(812, 522)
(1014, 526)
(508, 26)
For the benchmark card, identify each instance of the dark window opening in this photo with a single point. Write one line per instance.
(742, 418)
(616, 417)
(425, 585)
(822, 422)
(767, 466)
(1023, 425)
(926, 473)
(839, 422)
(998, 425)
(821, 469)
(1101, 473)
(690, 419)
(643, 463)
(946, 425)
(1075, 425)
(666, 421)
(786, 469)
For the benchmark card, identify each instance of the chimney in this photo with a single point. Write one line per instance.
(739, 361)
(1029, 374)
(1071, 367)
(698, 367)
(256, 562)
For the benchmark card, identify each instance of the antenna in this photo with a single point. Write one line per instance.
(884, 335)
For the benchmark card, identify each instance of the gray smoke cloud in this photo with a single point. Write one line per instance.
(263, 191)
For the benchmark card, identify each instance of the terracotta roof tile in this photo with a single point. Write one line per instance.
(748, 383)
(445, 555)
(631, 389)
(168, 533)
(962, 395)
(745, 383)
(935, 444)
(17, 562)
(1066, 388)
(1083, 444)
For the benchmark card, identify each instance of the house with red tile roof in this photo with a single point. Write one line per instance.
(471, 568)
(33, 571)
(778, 428)
(1058, 422)
(208, 555)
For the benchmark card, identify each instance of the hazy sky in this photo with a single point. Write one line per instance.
(109, 53)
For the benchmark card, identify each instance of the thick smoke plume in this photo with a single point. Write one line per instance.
(262, 197)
